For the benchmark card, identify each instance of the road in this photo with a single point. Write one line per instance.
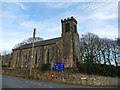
(18, 82)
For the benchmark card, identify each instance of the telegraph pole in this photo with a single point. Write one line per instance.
(32, 56)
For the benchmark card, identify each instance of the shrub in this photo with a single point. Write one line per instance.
(99, 69)
(45, 67)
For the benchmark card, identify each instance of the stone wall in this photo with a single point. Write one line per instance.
(70, 78)
(6, 60)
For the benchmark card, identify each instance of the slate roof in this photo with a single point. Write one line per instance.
(40, 43)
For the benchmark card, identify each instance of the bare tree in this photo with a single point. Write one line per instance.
(89, 47)
(27, 41)
(5, 52)
(99, 50)
(118, 41)
(115, 53)
(30, 40)
(108, 51)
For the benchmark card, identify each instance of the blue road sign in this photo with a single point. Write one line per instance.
(59, 66)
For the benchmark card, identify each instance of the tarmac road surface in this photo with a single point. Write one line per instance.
(18, 82)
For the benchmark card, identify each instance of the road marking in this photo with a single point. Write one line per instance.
(51, 87)
(45, 85)
(39, 84)
(26, 81)
(33, 83)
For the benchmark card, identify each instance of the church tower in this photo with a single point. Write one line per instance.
(70, 39)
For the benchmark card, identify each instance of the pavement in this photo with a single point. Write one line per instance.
(18, 82)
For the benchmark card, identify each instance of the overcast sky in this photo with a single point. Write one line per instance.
(20, 18)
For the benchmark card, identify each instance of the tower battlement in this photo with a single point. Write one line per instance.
(69, 19)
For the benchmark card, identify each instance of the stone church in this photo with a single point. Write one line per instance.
(64, 49)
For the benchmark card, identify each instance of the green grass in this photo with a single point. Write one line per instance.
(67, 71)
(34, 69)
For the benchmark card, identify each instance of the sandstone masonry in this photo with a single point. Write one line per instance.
(64, 49)
(69, 78)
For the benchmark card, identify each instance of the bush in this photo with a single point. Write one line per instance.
(99, 69)
(45, 67)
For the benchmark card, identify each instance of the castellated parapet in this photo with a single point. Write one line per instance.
(69, 19)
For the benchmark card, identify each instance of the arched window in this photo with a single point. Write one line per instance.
(26, 55)
(48, 56)
(29, 57)
(67, 27)
(17, 58)
(26, 58)
(53, 53)
(36, 57)
(40, 54)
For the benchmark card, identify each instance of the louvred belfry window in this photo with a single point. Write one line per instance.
(67, 27)
(75, 29)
